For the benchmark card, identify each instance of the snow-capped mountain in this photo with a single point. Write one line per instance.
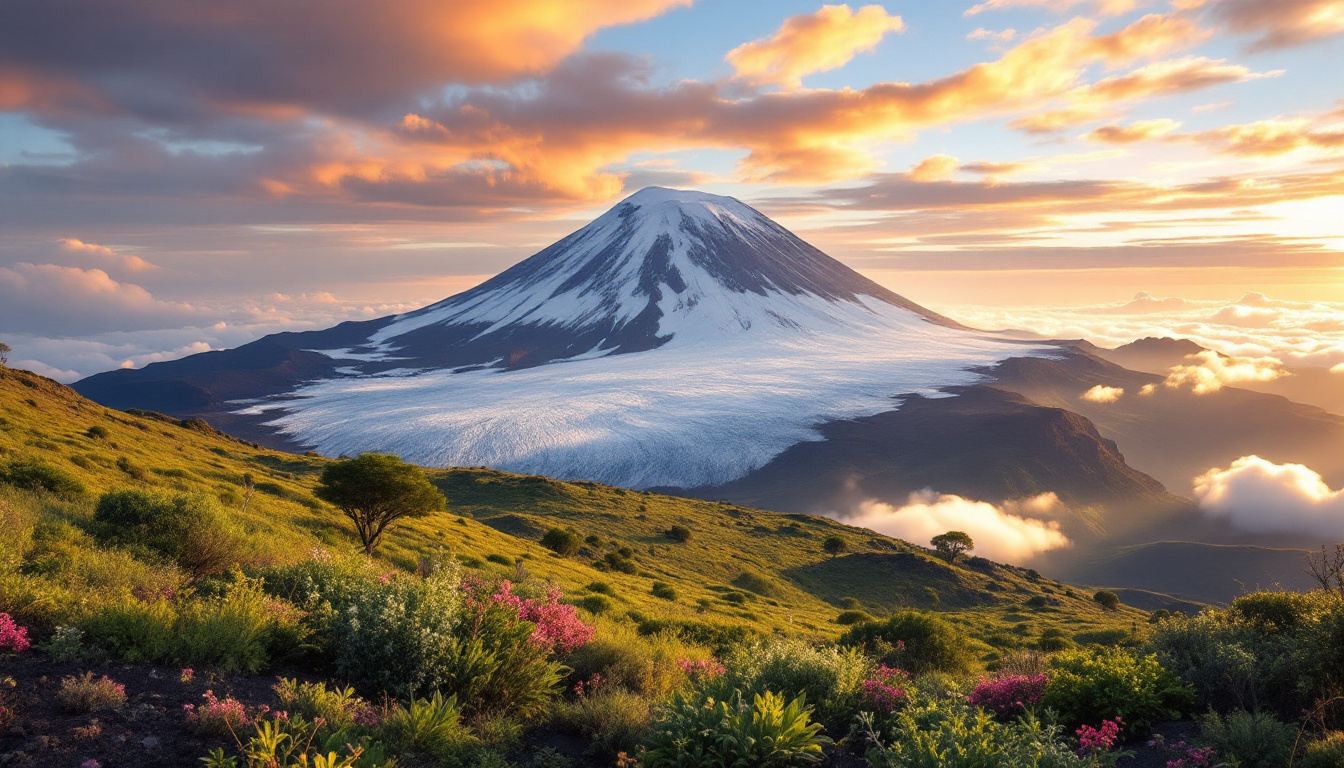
(680, 339)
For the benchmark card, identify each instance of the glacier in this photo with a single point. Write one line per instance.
(751, 340)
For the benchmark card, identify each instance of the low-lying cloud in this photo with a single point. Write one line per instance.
(1007, 532)
(1103, 394)
(1260, 496)
(1210, 371)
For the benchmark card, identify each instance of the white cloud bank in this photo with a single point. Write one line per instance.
(1209, 371)
(1263, 497)
(1001, 532)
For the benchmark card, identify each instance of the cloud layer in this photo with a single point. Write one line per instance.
(1260, 496)
(1001, 533)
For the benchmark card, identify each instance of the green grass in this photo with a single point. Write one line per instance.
(740, 567)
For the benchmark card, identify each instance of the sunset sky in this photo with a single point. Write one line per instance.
(180, 176)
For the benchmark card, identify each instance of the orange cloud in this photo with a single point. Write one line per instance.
(814, 42)
(106, 255)
(1267, 138)
(1141, 130)
(1282, 23)
(1104, 7)
(935, 168)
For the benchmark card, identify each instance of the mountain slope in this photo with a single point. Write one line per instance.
(502, 515)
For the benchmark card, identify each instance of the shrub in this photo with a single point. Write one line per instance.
(664, 591)
(1273, 612)
(499, 559)
(914, 641)
(832, 677)
(493, 651)
(431, 727)
(96, 432)
(562, 542)
(597, 604)
(218, 717)
(679, 533)
(601, 588)
(338, 708)
(132, 470)
(943, 733)
(1107, 599)
(33, 474)
(761, 585)
(66, 645)
(292, 742)
(1008, 696)
(13, 637)
(719, 637)
(846, 618)
(613, 719)
(700, 731)
(885, 690)
(644, 664)
(1253, 741)
(1325, 752)
(1091, 685)
(84, 694)
(191, 530)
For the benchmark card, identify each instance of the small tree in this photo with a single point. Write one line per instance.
(834, 545)
(562, 542)
(1327, 569)
(1107, 599)
(5, 349)
(951, 544)
(376, 490)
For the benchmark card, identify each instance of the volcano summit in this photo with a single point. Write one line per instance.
(679, 340)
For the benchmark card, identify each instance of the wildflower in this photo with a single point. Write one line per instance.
(90, 763)
(187, 675)
(1095, 741)
(12, 636)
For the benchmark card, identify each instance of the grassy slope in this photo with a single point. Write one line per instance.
(495, 513)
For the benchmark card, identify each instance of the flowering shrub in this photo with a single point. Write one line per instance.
(884, 690)
(12, 636)
(187, 675)
(83, 694)
(585, 687)
(218, 717)
(701, 669)
(1009, 695)
(1094, 741)
(558, 626)
(335, 707)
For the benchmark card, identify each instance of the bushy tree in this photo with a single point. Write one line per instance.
(376, 490)
(679, 533)
(1107, 599)
(562, 542)
(5, 349)
(834, 545)
(951, 544)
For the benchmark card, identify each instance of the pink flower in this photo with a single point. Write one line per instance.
(701, 669)
(187, 675)
(90, 763)
(558, 625)
(383, 578)
(884, 691)
(1009, 695)
(1094, 741)
(12, 636)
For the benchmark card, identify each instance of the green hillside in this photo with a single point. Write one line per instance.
(752, 568)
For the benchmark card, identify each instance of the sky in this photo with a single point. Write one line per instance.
(182, 176)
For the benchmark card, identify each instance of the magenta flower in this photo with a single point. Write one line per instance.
(1009, 695)
(12, 636)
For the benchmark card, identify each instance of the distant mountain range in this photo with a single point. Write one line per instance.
(685, 342)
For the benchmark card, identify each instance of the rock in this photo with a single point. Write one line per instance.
(150, 742)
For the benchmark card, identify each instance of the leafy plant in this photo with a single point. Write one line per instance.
(1091, 685)
(84, 694)
(830, 676)
(701, 732)
(912, 640)
(613, 719)
(191, 530)
(561, 541)
(1253, 740)
(431, 727)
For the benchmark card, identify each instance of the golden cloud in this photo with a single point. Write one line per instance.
(1267, 138)
(935, 168)
(1103, 7)
(814, 42)
(1282, 23)
(1141, 130)
(1210, 371)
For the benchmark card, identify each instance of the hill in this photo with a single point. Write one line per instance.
(760, 570)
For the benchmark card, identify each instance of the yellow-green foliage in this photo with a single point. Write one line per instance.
(741, 568)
